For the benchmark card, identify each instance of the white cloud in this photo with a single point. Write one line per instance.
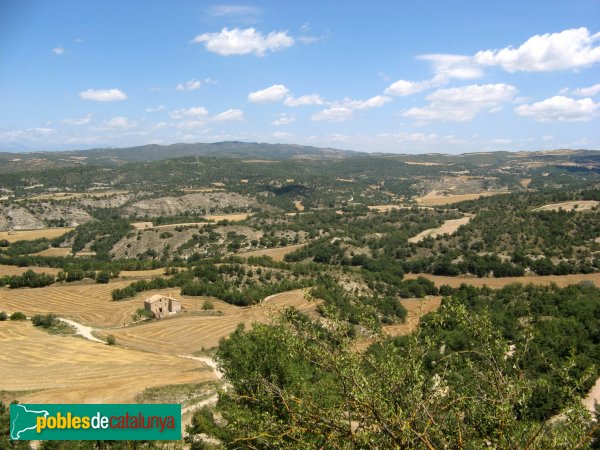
(190, 85)
(103, 95)
(568, 49)
(344, 109)
(561, 109)
(120, 122)
(230, 115)
(334, 114)
(58, 51)
(404, 87)
(588, 91)
(282, 135)
(195, 112)
(305, 100)
(283, 119)
(244, 41)
(159, 108)
(463, 103)
(448, 66)
(274, 93)
(84, 120)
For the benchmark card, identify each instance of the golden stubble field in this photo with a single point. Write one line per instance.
(276, 253)
(498, 283)
(30, 235)
(38, 367)
(188, 332)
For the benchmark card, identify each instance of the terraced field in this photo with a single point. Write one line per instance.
(497, 283)
(80, 371)
(15, 270)
(187, 333)
(30, 235)
(276, 253)
(90, 303)
(448, 227)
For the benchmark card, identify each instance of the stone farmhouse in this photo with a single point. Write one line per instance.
(162, 306)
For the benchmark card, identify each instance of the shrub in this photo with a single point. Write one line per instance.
(208, 305)
(111, 340)
(44, 321)
(18, 315)
(3, 316)
(103, 277)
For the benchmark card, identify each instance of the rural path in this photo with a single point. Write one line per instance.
(593, 397)
(82, 330)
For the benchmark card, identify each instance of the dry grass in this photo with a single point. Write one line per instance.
(435, 199)
(230, 217)
(142, 225)
(415, 308)
(55, 251)
(448, 227)
(415, 163)
(299, 206)
(175, 225)
(72, 195)
(15, 270)
(88, 303)
(258, 161)
(525, 182)
(30, 235)
(579, 205)
(80, 371)
(129, 274)
(276, 253)
(189, 333)
(383, 208)
(190, 190)
(497, 283)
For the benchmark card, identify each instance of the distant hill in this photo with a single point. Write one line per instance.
(154, 152)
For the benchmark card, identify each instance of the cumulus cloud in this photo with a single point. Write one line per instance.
(560, 109)
(159, 108)
(274, 93)
(103, 95)
(463, 103)
(58, 51)
(195, 112)
(403, 88)
(190, 85)
(244, 41)
(344, 109)
(83, 120)
(568, 49)
(230, 115)
(304, 100)
(283, 119)
(120, 122)
(588, 91)
(447, 66)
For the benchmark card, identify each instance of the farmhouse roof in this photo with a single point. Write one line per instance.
(157, 297)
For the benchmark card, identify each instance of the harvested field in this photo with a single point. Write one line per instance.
(142, 225)
(72, 195)
(435, 199)
(299, 206)
(383, 208)
(230, 217)
(15, 270)
(448, 227)
(525, 182)
(80, 371)
(579, 205)
(30, 235)
(142, 273)
(90, 304)
(83, 254)
(497, 283)
(55, 251)
(187, 333)
(175, 225)
(415, 308)
(276, 253)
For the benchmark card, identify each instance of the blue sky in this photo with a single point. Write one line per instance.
(402, 76)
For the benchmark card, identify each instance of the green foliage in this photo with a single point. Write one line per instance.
(18, 315)
(111, 340)
(3, 316)
(296, 385)
(26, 247)
(103, 277)
(44, 320)
(29, 279)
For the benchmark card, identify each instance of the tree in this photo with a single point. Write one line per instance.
(295, 384)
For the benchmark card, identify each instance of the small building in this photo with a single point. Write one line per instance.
(162, 306)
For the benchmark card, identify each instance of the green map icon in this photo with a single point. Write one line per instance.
(23, 419)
